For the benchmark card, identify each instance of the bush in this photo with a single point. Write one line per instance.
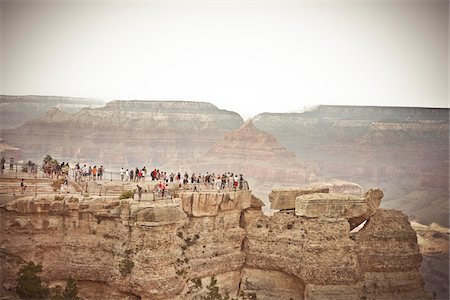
(71, 290)
(125, 267)
(29, 284)
(126, 194)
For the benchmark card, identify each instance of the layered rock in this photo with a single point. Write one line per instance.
(433, 242)
(257, 155)
(16, 110)
(284, 198)
(204, 244)
(402, 150)
(126, 133)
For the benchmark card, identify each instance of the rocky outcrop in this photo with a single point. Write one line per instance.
(126, 133)
(204, 244)
(402, 150)
(16, 110)
(433, 242)
(257, 155)
(284, 198)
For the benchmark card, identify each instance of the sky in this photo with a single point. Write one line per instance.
(245, 56)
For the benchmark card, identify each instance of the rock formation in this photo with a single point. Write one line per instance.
(204, 244)
(16, 110)
(433, 242)
(126, 133)
(403, 150)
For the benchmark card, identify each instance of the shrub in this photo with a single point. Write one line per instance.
(126, 194)
(125, 267)
(71, 290)
(29, 284)
(197, 282)
(56, 184)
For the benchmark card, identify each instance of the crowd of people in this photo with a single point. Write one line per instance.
(196, 181)
(83, 173)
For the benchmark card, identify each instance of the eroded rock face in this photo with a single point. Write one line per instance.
(126, 133)
(402, 150)
(16, 110)
(186, 247)
(284, 198)
(257, 155)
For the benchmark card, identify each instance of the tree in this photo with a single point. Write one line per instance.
(71, 290)
(29, 284)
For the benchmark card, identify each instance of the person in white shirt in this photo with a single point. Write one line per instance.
(122, 174)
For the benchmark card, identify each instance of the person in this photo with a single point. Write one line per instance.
(101, 170)
(23, 187)
(127, 175)
(241, 182)
(65, 186)
(2, 165)
(122, 174)
(11, 162)
(139, 192)
(94, 173)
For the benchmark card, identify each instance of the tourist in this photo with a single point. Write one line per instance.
(131, 175)
(122, 174)
(2, 166)
(136, 174)
(23, 187)
(11, 163)
(94, 172)
(127, 175)
(139, 192)
(101, 170)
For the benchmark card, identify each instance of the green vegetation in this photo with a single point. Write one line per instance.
(71, 290)
(126, 194)
(125, 267)
(197, 282)
(29, 285)
(213, 292)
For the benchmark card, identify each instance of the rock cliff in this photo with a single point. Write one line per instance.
(126, 133)
(258, 156)
(403, 150)
(16, 110)
(199, 244)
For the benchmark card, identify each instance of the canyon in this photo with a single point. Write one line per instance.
(402, 151)
(16, 110)
(199, 244)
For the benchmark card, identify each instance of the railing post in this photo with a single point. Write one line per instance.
(111, 175)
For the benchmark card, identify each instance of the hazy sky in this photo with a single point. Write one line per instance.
(246, 56)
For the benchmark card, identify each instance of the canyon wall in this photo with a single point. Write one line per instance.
(125, 133)
(16, 110)
(203, 244)
(405, 151)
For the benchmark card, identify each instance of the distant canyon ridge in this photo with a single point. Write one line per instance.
(402, 150)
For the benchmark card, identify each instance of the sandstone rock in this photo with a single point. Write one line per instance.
(400, 149)
(269, 284)
(174, 248)
(257, 155)
(285, 198)
(156, 129)
(16, 110)
(330, 205)
(373, 200)
(389, 276)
